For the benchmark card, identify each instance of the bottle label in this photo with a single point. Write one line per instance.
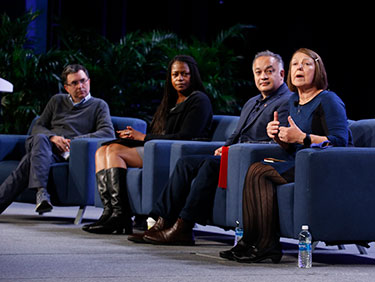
(304, 247)
(238, 235)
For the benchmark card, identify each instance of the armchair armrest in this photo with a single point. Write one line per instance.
(82, 184)
(185, 148)
(334, 193)
(12, 147)
(155, 171)
(240, 157)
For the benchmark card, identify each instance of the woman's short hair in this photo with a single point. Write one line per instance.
(320, 80)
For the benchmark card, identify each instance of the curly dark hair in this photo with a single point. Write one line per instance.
(170, 94)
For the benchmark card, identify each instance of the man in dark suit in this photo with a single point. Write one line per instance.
(184, 201)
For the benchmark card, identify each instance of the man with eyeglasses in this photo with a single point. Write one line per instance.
(65, 117)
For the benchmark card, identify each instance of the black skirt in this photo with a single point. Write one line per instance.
(126, 142)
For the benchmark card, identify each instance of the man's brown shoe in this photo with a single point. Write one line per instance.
(159, 225)
(181, 233)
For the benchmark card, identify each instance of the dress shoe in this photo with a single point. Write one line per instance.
(181, 233)
(102, 219)
(118, 224)
(159, 225)
(241, 247)
(254, 255)
(43, 202)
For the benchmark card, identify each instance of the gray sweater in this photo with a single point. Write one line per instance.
(61, 118)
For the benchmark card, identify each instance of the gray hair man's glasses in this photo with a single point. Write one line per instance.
(76, 82)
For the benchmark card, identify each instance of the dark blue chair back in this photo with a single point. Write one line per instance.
(118, 123)
(223, 126)
(363, 132)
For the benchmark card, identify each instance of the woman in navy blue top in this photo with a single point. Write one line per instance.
(317, 116)
(322, 119)
(323, 116)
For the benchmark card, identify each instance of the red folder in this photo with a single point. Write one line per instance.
(223, 168)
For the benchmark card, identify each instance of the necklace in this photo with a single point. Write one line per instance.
(308, 99)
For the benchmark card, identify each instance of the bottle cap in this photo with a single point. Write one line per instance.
(150, 222)
(305, 227)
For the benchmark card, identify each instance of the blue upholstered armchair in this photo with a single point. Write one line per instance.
(223, 127)
(145, 184)
(333, 190)
(71, 183)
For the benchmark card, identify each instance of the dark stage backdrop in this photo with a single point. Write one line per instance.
(341, 34)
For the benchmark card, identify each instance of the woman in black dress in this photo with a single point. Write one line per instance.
(185, 113)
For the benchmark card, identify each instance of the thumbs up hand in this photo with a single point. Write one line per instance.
(291, 134)
(275, 116)
(273, 126)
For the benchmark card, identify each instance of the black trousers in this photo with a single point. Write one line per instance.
(191, 189)
(32, 171)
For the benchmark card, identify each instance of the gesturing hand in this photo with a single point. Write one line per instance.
(291, 134)
(273, 126)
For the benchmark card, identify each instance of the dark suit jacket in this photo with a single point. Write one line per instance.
(258, 124)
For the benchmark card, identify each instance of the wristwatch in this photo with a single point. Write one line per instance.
(307, 141)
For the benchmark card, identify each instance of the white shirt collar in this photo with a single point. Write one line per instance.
(84, 100)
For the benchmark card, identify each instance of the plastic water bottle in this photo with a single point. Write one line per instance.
(238, 233)
(304, 248)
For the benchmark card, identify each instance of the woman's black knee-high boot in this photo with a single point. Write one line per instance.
(120, 218)
(101, 181)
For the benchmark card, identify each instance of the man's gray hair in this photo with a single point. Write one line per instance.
(268, 53)
(69, 69)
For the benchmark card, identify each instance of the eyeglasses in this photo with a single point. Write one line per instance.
(76, 82)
